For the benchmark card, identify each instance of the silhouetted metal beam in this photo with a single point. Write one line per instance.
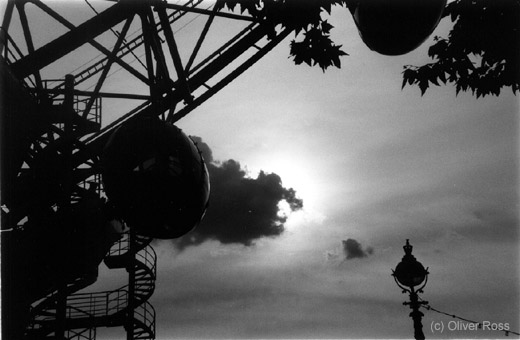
(101, 94)
(92, 42)
(28, 39)
(208, 12)
(5, 24)
(201, 38)
(104, 74)
(153, 42)
(96, 143)
(228, 56)
(230, 77)
(174, 52)
(69, 41)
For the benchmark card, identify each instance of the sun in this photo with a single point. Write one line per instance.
(296, 173)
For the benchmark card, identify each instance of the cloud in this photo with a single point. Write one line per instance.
(352, 249)
(349, 249)
(242, 209)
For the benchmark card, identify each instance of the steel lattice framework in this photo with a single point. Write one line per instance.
(64, 70)
(171, 87)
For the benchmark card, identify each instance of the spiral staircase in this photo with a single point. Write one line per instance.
(126, 306)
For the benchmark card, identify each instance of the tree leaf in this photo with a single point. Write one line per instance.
(485, 31)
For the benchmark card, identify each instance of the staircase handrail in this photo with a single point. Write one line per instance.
(123, 244)
(148, 257)
(145, 314)
(114, 302)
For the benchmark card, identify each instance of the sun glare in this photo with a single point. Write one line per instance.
(296, 174)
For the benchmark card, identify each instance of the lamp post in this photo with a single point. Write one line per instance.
(408, 275)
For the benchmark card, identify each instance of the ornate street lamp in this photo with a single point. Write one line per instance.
(408, 275)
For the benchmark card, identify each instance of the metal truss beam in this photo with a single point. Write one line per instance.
(207, 12)
(70, 41)
(94, 144)
(195, 82)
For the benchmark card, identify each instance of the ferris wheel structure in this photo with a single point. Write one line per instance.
(72, 76)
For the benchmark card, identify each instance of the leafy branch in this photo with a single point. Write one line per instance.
(481, 53)
(303, 16)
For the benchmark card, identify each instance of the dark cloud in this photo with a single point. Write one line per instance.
(352, 249)
(242, 209)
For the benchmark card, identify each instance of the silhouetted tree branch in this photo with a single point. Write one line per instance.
(481, 53)
(303, 16)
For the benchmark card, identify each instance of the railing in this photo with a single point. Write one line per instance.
(145, 314)
(146, 255)
(94, 114)
(85, 305)
(90, 308)
(87, 333)
(44, 305)
(97, 304)
(80, 101)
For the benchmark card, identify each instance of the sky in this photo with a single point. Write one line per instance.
(373, 165)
